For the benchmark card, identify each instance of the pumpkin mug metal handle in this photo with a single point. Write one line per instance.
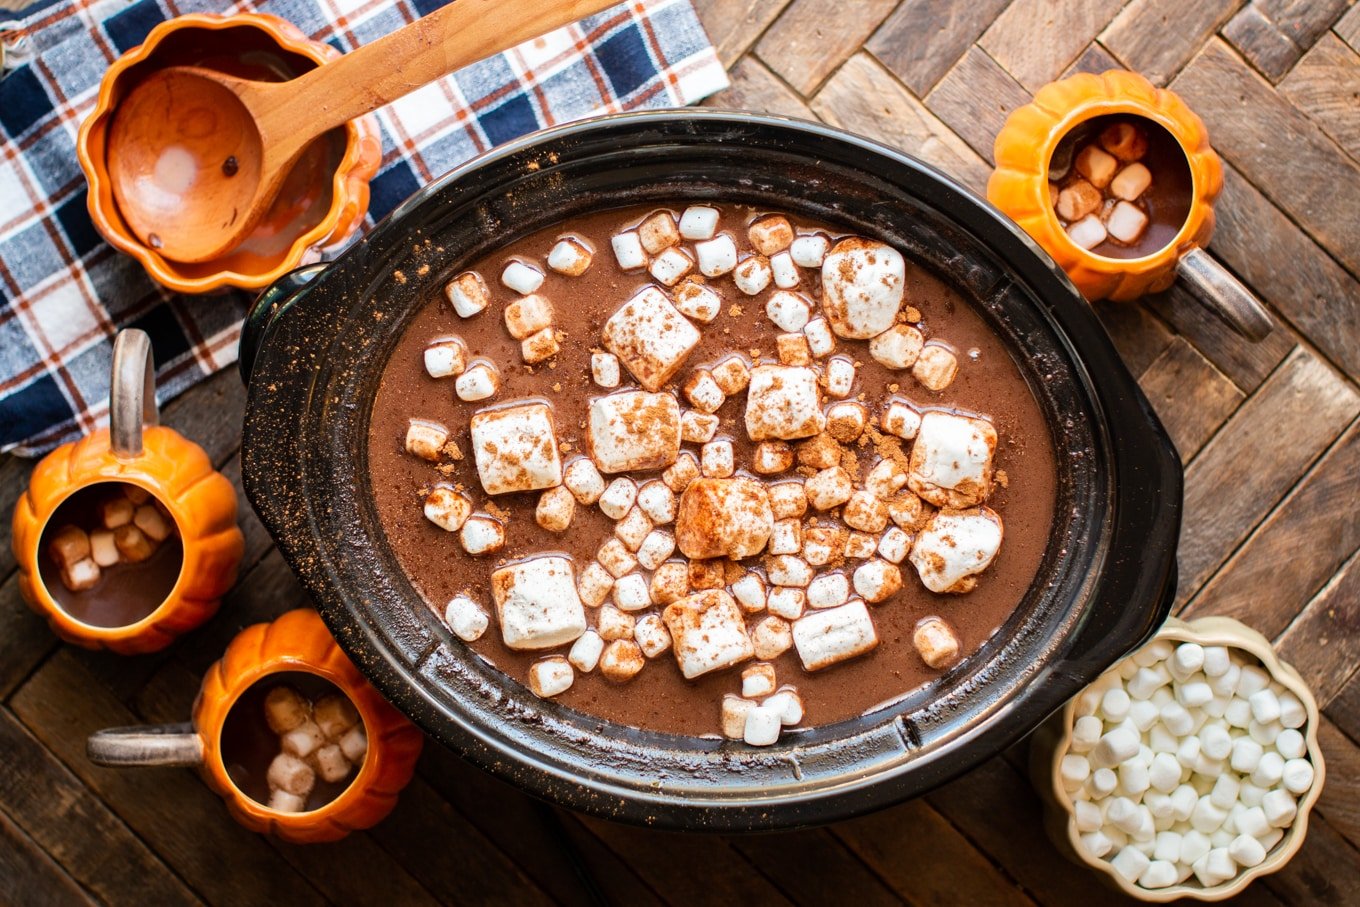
(132, 393)
(166, 745)
(1224, 295)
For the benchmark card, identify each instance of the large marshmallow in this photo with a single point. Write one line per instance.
(633, 430)
(537, 604)
(782, 403)
(709, 632)
(832, 635)
(951, 461)
(651, 337)
(955, 547)
(723, 518)
(516, 448)
(862, 285)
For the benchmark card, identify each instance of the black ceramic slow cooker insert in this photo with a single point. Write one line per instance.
(316, 343)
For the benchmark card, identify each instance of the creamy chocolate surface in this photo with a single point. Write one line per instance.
(988, 383)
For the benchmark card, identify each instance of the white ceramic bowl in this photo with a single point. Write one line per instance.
(1050, 743)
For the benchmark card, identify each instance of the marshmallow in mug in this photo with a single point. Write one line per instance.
(1185, 760)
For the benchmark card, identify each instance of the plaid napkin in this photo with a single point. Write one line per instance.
(64, 292)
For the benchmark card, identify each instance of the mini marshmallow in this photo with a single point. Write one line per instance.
(782, 403)
(863, 511)
(290, 774)
(1225, 792)
(284, 802)
(527, 316)
(733, 716)
(1238, 713)
(1206, 817)
(829, 488)
(657, 502)
(113, 512)
(1165, 773)
(1159, 874)
(809, 250)
(1252, 821)
(334, 714)
(522, 278)
(551, 677)
(651, 635)
(633, 430)
(820, 340)
(1264, 734)
(479, 382)
(1251, 681)
(723, 517)
(770, 234)
(621, 661)
(757, 681)
(302, 740)
(467, 619)
(655, 548)
(555, 509)
(1086, 731)
(1114, 705)
(936, 367)
(285, 709)
(828, 591)
(585, 652)
(697, 301)
(445, 358)
(786, 570)
(749, 591)
(612, 623)
(618, 498)
(632, 593)
(1096, 165)
(1246, 851)
(894, 545)
(1130, 863)
(717, 459)
(938, 646)
(762, 726)
(789, 311)
(1134, 778)
(658, 232)
(1216, 661)
(709, 632)
(481, 535)
(716, 256)
(354, 744)
(650, 337)
(1088, 232)
(153, 523)
(539, 347)
(839, 378)
(784, 271)
(1126, 222)
(788, 704)
(570, 256)
(771, 636)
(424, 439)
(1144, 715)
(752, 275)
(955, 547)
(698, 222)
(468, 294)
(1246, 755)
(1215, 741)
(819, 452)
(860, 546)
(1188, 657)
(516, 448)
(628, 251)
(787, 602)
(898, 347)
(1177, 720)
(1103, 782)
(1279, 808)
(670, 582)
(604, 369)
(633, 529)
(786, 537)
(1289, 743)
(615, 558)
(901, 420)
(1265, 706)
(877, 581)
(772, 457)
(830, 636)
(1115, 747)
(1087, 815)
(1269, 771)
(1297, 776)
(583, 480)
(537, 604)
(670, 266)
(1292, 713)
(1193, 695)
(1226, 684)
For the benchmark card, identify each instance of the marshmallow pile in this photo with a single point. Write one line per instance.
(132, 525)
(325, 740)
(1097, 198)
(711, 559)
(1185, 760)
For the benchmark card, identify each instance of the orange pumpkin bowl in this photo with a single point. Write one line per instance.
(202, 502)
(324, 198)
(1019, 185)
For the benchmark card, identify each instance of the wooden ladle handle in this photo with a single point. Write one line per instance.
(459, 33)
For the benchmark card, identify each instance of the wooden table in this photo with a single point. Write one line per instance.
(1268, 433)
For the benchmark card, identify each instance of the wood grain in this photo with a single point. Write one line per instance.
(1325, 872)
(1344, 709)
(1157, 37)
(754, 87)
(814, 867)
(1261, 43)
(1192, 398)
(974, 99)
(811, 38)
(1323, 642)
(1245, 363)
(864, 97)
(922, 39)
(1325, 84)
(1035, 40)
(76, 829)
(1221, 87)
(734, 25)
(1139, 335)
(1299, 546)
(27, 873)
(1347, 28)
(1340, 799)
(1257, 456)
(1094, 59)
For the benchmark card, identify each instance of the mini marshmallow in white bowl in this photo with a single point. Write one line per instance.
(1175, 774)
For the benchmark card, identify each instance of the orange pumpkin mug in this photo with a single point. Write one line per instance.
(127, 538)
(232, 738)
(1031, 145)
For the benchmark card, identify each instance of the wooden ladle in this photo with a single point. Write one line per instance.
(197, 156)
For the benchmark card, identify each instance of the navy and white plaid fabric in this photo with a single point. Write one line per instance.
(64, 293)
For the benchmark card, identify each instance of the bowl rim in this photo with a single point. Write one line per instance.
(1151, 580)
(1213, 630)
(99, 199)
